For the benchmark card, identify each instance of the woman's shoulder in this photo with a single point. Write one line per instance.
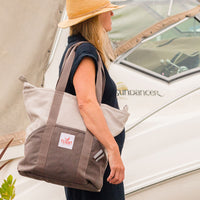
(87, 49)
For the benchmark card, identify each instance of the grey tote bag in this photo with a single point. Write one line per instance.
(59, 148)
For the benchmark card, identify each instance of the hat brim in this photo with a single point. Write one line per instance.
(71, 22)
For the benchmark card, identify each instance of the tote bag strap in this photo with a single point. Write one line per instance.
(67, 66)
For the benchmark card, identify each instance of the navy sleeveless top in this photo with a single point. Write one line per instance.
(110, 91)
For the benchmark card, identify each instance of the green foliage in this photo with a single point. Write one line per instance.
(7, 189)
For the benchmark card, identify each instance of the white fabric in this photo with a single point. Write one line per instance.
(28, 29)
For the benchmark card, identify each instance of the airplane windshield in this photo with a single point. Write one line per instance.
(171, 52)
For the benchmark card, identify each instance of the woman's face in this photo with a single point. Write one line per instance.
(105, 20)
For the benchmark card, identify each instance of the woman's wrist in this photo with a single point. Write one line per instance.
(112, 148)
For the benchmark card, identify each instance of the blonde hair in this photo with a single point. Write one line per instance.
(93, 32)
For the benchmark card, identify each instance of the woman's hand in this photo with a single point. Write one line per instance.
(116, 166)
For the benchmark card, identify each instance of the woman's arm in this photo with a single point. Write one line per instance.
(84, 84)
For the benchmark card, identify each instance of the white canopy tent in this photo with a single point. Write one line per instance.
(27, 34)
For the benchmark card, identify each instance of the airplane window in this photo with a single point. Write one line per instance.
(172, 52)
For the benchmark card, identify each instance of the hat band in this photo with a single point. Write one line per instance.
(93, 11)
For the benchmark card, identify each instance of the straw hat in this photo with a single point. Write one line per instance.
(81, 10)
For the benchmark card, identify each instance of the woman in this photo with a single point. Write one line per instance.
(89, 20)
